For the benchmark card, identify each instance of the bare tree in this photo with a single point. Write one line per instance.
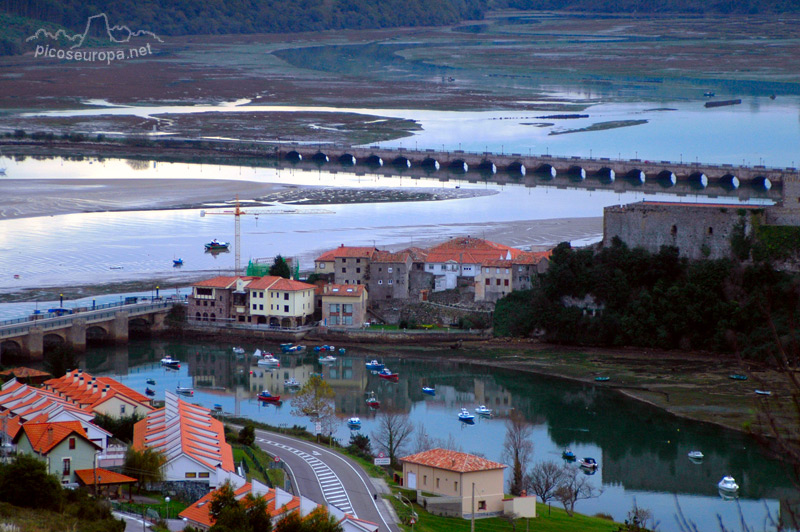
(574, 487)
(518, 449)
(392, 434)
(422, 440)
(545, 478)
(315, 400)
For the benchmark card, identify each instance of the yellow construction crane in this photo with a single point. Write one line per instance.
(237, 212)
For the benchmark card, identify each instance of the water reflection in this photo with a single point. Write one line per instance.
(642, 452)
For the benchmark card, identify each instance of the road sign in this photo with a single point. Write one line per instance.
(382, 461)
(277, 458)
(317, 427)
(381, 455)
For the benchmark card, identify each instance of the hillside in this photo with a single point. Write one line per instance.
(749, 7)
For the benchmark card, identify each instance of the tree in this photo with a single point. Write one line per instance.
(317, 521)
(224, 497)
(145, 465)
(120, 427)
(280, 268)
(544, 479)
(574, 487)
(247, 435)
(360, 446)
(518, 449)
(26, 482)
(315, 399)
(392, 434)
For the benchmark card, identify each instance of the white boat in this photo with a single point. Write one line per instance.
(269, 360)
(170, 362)
(728, 484)
(374, 365)
(238, 350)
(696, 455)
(354, 423)
(184, 391)
(483, 411)
(291, 383)
(328, 359)
(588, 463)
(763, 392)
(428, 390)
(465, 416)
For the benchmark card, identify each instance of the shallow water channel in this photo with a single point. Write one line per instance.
(642, 451)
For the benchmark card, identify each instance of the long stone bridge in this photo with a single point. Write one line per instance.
(106, 323)
(619, 175)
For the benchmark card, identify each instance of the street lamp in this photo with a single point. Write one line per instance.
(166, 499)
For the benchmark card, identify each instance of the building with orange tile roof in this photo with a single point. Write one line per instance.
(21, 404)
(389, 275)
(99, 395)
(29, 375)
(348, 264)
(499, 277)
(192, 441)
(279, 504)
(453, 474)
(221, 298)
(344, 305)
(280, 302)
(103, 481)
(63, 445)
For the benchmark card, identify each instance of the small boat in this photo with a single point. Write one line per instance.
(763, 392)
(601, 379)
(342, 350)
(148, 391)
(170, 362)
(568, 455)
(217, 407)
(483, 411)
(269, 360)
(291, 348)
(708, 94)
(696, 455)
(372, 401)
(151, 381)
(465, 417)
(429, 391)
(216, 245)
(184, 391)
(115, 267)
(588, 463)
(320, 375)
(374, 365)
(291, 383)
(327, 359)
(177, 262)
(354, 423)
(387, 375)
(238, 350)
(728, 484)
(738, 377)
(267, 397)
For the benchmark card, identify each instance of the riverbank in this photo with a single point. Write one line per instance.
(695, 386)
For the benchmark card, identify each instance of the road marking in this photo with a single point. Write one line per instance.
(329, 483)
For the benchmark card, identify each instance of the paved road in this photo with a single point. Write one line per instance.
(327, 477)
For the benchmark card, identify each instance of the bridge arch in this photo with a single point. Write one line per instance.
(53, 341)
(516, 169)
(487, 167)
(97, 335)
(10, 349)
(546, 169)
(374, 161)
(320, 158)
(402, 162)
(729, 182)
(459, 165)
(347, 159)
(274, 322)
(576, 172)
(636, 176)
(139, 327)
(606, 174)
(761, 183)
(667, 178)
(261, 320)
(698, 180)
(430, 163)
(294, 156)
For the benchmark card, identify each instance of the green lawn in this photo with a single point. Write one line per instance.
(276, 476)
(556, 521)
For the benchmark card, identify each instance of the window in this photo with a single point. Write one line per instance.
(261, 307)
(203, 474)
(261, 294)
(506, 270)
(286, 296)
(122, 410)
(437, 483)
(519, 268)
(358, 261)
(72, 443)
(390, 281)
(674, 230)
(255, 307)
(505, 282)
(380, 282)
(205, 291)
(321, 265)
(334, 320)
(358, 270)
(497, 270)
(347, 320)
(333, 308)
(455, 486)
(498, 282)
(380, 269)
(424, 480)
(347, 308)
(488, 281)
(430, 266)
(286, 308)
(710, 230)
(389, 269)
(67, 463)
(481, 505)
(190, 475)
(212, 303)
(344, 270)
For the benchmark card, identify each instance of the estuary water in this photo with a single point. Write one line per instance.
(642, 451)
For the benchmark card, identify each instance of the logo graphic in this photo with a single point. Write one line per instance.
(116, 34)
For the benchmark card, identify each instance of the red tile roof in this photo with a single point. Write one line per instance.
(25, 373)
(385, 256)
(272, 282)
(345, 252)
(343, 290)
(199, 512)
(44, 436)
(103, 477)
(452, 461)
(71, 387)
(222, 281)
